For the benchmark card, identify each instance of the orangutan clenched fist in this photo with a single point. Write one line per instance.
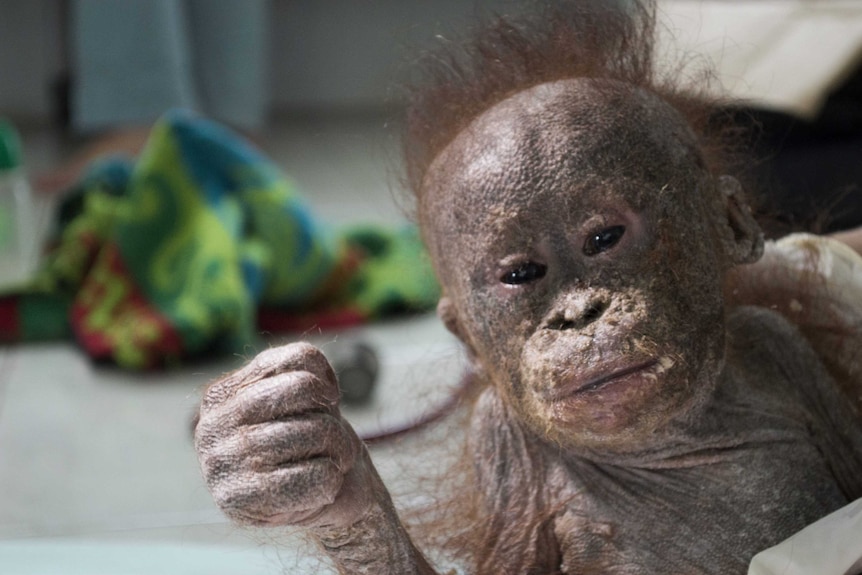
(274, 448)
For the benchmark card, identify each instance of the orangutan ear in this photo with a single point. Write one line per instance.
(449, 316)
(742, 239)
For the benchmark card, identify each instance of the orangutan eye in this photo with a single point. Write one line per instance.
(603, 240)
(524, 273)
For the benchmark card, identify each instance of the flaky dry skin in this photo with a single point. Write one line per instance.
(667, 438)
(541, 340)
(634, 420)
(776, 448)
(275, 451)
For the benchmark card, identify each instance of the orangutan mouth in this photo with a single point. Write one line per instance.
(596, 383)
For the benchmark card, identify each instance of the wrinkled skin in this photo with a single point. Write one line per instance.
(275, 451)
(583, 248)
(551, 342)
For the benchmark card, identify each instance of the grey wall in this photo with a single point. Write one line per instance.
(352, 52)
(324, 53)
(30, 56)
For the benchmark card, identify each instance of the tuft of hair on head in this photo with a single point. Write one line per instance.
(601, 39)
(559, 40)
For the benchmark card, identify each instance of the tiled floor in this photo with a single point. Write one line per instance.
(97, 472)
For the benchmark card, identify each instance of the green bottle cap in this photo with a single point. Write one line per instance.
(10, 146)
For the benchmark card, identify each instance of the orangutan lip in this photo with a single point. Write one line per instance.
(600, 382)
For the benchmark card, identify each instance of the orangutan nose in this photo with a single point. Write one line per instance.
(573, 315)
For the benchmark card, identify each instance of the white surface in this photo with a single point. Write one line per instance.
(831, 546)
(86, 557)
(781, 54)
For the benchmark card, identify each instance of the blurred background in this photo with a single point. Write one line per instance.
(319, 55)
(97, 473)
(795, 62)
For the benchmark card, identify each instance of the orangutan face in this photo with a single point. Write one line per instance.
(574, 230)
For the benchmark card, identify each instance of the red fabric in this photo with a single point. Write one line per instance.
(10, 324)
(111, 312)
(279, 320)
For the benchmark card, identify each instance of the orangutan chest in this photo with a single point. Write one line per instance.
(709, 518)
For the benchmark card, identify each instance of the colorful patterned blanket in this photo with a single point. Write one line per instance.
(198, 247)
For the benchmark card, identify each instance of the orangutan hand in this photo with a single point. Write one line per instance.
(274, 448)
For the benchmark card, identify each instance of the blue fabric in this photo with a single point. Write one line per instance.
(134, 60)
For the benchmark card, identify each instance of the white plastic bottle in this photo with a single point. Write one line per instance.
(18, 233)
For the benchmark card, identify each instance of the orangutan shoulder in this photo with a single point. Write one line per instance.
(815, 283)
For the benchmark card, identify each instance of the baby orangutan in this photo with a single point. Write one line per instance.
(635, 418)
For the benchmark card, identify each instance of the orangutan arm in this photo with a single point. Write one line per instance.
(275, 450)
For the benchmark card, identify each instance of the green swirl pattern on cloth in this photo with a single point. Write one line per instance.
(198, 245)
